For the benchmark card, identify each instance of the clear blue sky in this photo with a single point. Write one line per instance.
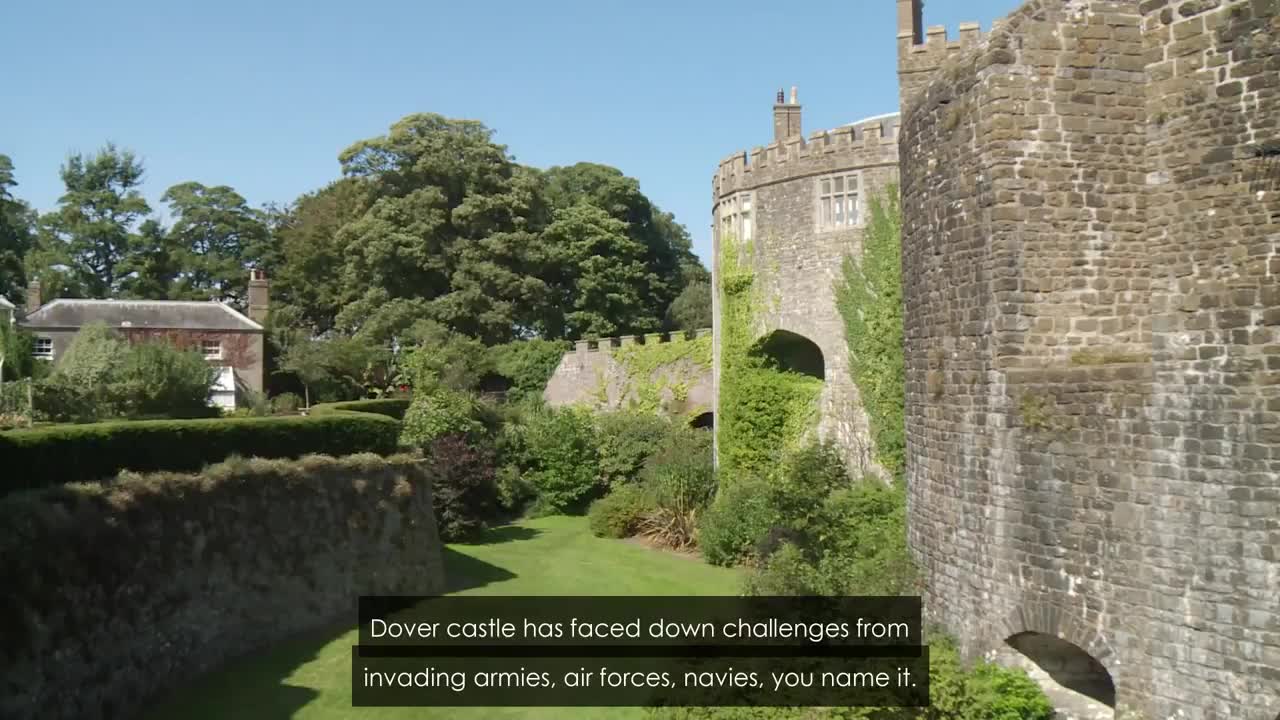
(262, 95)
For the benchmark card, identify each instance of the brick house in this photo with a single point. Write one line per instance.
(229, 340)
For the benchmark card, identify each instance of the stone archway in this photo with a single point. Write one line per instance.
(703, 421)
(1078, 684)
(793, 352)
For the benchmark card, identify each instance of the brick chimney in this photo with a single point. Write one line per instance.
(786, 117)
(33, 297)
(259, 296)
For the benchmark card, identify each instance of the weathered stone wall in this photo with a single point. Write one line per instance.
(797, 266)
(603, 375)
(113, 593)
(1093, 342)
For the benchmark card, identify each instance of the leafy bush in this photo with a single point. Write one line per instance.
(515, 493)
(391, 407)
(96, 451)
(436, 413)
(286, 403)
(464, 487)
(619, 514)
(739, 517)
(680, 479)
(252, 403)
(529, 364)
(560, 458)
(156, 378)
(627, 440)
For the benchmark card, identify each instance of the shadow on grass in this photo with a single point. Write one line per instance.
(254, 687)
(506, 533)
(464, 572)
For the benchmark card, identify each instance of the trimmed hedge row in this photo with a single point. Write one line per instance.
(99, 451)
(114, 593)
(391, 407)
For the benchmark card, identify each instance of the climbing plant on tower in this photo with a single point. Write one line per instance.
(765, 411)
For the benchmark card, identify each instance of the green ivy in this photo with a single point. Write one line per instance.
(651, 370)
(765, 412)
(869, 297)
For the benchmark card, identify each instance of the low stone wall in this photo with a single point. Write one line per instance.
(113, 593)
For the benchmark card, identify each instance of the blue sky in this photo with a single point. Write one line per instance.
(262, 95)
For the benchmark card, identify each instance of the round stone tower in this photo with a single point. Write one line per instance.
(800, 207)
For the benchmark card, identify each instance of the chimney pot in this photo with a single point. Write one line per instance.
(781, 96)
(793, 95)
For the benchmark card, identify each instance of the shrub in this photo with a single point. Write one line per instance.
(529, 364)
(560, 458)
(437, 413)
(683, 451)
(626, 442)
(97, 451)
(464, 486)
(286, 403)
(156, 378)
(737, 519)
(618, 514)
(391, 407)
(515, 493)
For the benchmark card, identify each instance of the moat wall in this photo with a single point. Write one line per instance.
(1091, 260)
(114, 593)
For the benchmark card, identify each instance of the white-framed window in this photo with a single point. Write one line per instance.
(212, 349)
(838, 206)
(737, 216)
(43, 348)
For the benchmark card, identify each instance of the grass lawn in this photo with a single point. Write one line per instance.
(309, 678)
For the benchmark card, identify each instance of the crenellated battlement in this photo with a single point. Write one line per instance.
(610, 343)
(923, 51)
(867, 142)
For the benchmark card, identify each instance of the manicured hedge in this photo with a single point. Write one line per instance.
(99, 451)
(391, 407)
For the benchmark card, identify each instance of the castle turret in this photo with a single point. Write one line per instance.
(922, 51)
(786, 118)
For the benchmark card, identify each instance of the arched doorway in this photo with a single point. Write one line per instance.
(1075, 682)
(793, 353)
(705, 421)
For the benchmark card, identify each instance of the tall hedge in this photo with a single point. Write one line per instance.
(98, 451)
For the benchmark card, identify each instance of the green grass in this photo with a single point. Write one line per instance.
(309, 678)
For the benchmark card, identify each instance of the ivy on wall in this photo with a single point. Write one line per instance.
(656, 377)
(869, 297)
(765, 412)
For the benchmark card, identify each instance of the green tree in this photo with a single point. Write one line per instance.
(215, 233)
(657, 241)
(83, 246)
(601, 280)
(691, 310)
(305, 246)
(448, 205)
(16, 237)
(152, 264)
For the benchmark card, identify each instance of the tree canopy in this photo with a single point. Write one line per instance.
(432, 229)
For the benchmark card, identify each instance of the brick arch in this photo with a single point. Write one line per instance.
(1042, 615)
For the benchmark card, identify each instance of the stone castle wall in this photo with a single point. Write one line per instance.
(595, 374)
(797, 266)
(1092, 279)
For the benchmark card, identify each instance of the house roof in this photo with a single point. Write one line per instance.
(159, 314)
